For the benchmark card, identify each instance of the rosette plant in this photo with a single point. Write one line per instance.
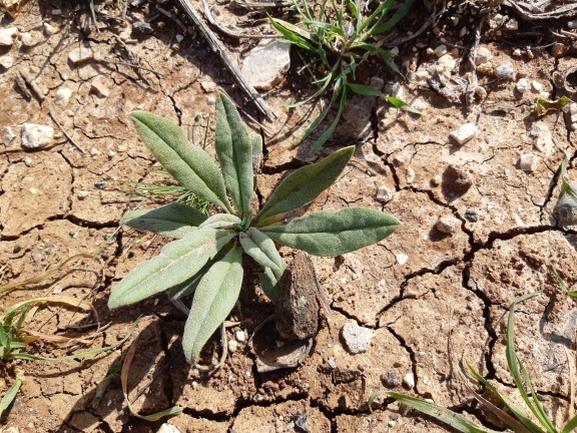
(206, 257)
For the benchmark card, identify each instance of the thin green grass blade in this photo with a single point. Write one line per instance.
(570, 426)
(402, 105)
(397, 16)
(382, 10)
(515, 366)
(527, 426)
(293, 34)
(361, 89)
(12, 391)
(562, 284)
(326, 135)
(446, 416)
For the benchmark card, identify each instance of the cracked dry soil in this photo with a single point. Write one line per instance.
(432, 299)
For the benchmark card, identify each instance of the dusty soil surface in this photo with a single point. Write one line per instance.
(433, 295)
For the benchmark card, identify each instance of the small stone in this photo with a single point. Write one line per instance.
(208, 86)
(559, 50)
(35, 136)
(456, 181)
(505, 70)
(111, 154)
(465, 133)
(446, 64)
(266, 64)
(142, 28)
(211, 100)
(8, 135)
(441, 50)
(483, 56)
(410, 175)
(97, 86)
(26, 39)
(6, 36)
(409, 380)
(448, 225)
(528, 162)
(512, 25)
(573, 112)
(56, 12)
(357, 339)
(401, 258)
(48, 29)
(542, 137)
(522, 85)
(28, 161)
(384, 194)
(240, 336)
(6, 61)
(572, 24)
(81, 195)
(536, 86)
(17, 248)
(332, 363)
(62, 97)
(391, 379)
(376, 82)
(481, 92)
(472, 214)
(394, 51)
(463, 31)
(516, 52)
(179, 38)
(420, 104)
(168, 428)
(232, 346)
(80, 54)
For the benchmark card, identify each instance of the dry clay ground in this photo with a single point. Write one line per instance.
(432, 299)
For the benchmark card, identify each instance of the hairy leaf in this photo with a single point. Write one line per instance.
(303, 185)
(188, 164)
(172, 220)
(221, 221)
(331, 233)
(234, 149)
(176, 263)
(213, 300)
(262, 248)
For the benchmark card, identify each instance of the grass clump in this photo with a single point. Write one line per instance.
(340, 38)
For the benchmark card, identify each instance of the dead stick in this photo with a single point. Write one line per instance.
(217, 46)
(53, 117)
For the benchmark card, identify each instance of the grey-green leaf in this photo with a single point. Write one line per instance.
(234, 150)
(330, 233)
(213, 300)
(176, 263)
(173, 220)
(263, 250)
(221, 220)
(303, 185)
(188, 164)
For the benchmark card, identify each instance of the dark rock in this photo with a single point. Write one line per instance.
(456, 182)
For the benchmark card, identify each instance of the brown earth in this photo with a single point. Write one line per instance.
(432, 299)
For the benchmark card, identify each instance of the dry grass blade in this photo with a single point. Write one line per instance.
(174, 410)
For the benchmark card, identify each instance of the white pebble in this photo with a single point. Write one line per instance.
(441, 50)
(528, 162)
(410, 175)
(512, 25)
(48, 29)
(26, 39)
(505, 70)
(384, 194)
(240, 336)
(394, 51)
(483, 56)
(56, 12)
(516, 52)
(572, 24)
(402, 258)
(8, 135)
(536, 86)
(179, 38)
(465, 133)
(80, 54)
(62, 97)
(6, 61)
(6, 36)
(522, 85)
(448, 224)
(35, 136)
(409, 380)
(232, 346)
(168, 428)
(356, 338)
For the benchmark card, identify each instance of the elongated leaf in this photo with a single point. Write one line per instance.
(262, 248)
(570, 426)
(293, 34)
(234, 150)
(220, 221)
(330, 233)
(188, 164)
(458, 422)
(302, 186)
(213, 300)
(365, 90)
(340, 89)
(12, 391)
(401, 12)
(172, 220)
(402, 105)
(177, 262)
